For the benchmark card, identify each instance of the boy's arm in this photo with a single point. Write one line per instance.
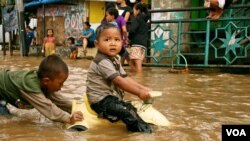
(125, 33)
(133, 82)
(61, 101)
(89, 35)
(127, 15)
(46, 107)
(132, 86)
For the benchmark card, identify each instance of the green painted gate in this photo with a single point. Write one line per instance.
(201, 42)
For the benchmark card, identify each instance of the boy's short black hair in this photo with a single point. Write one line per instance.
(113, 12)
(103, 27)
(51, 67)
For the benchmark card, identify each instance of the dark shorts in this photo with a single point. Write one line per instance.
(123, 53)
(91, 44)
(113, 109)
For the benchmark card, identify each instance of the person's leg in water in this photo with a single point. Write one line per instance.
(124, 56)
(138, 65)
(132, 65)
(84, 46)
(113, 109)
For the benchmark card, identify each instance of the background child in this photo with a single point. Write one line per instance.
(29, 40)
(122, 25)
(217, 7)
(107, 81)
(88, 37)
(73, 49)
(138, 35)
(36, 89)
(49, 43)
(111, 15)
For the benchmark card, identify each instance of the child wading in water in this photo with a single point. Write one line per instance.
(138, 34)
(49, 43)
(107, 81)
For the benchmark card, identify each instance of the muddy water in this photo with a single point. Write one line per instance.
(196, 104)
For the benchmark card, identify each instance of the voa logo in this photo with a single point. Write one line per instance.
(236, 132)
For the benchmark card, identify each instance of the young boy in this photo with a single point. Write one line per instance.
(111, 15)
(112, 12)
(35, 89)
(107, 81)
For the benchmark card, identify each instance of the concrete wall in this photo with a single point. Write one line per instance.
(65, 20)
(170, 4)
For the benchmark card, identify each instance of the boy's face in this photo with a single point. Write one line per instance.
(55, 84)
(69, 42)
(135, 11)
(109, 42)
(109, 17)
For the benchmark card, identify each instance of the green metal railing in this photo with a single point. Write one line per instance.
(201, 42)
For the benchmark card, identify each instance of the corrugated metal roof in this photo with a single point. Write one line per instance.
(41, 2)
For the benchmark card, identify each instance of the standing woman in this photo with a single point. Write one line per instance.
(138, 35)
(88, 37)
(124, 9)
(29, 40)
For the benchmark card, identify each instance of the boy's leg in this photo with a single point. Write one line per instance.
(130, 117)
(114, 109)
(210, 15)
(217, 10)
(132, 64)
(84, 46)
(138, 65)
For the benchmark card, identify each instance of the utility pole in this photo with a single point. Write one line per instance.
(3, 31)
(21, 28)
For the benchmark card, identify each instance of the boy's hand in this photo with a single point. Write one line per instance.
(76, 116)
(144, 94)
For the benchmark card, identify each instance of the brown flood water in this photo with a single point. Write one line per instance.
(196, 104)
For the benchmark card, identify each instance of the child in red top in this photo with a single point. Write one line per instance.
(49, 43)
